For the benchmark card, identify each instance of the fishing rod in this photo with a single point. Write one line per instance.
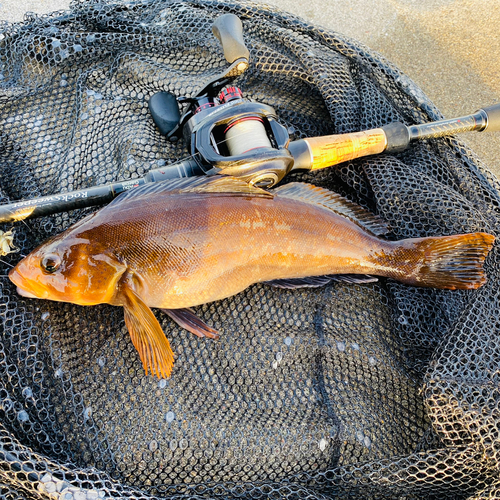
(231, 135)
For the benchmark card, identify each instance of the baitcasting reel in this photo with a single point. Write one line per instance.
(224, 131)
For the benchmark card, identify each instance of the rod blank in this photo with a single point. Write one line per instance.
(98, 195)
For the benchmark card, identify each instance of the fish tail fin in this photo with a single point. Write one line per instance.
(450, 262)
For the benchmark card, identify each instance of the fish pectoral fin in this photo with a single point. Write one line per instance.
(317, 281)
(147, 336)
(188, 320)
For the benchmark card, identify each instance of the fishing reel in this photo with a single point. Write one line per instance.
(225, 132)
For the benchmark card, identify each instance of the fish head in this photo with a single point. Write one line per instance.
(69, 269)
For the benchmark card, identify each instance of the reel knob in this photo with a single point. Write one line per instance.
(164, 109)
(229, 31)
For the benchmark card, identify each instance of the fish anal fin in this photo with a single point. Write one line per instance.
(214, 184)
(186, 318)
(317, 281)
(147, 335)
(315, 195)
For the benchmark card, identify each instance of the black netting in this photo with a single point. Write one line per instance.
(368, 391)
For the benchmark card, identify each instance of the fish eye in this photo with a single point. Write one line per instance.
(51, 262)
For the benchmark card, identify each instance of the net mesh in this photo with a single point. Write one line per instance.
(364, 391)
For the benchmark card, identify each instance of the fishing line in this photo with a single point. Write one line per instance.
(252, 127)
(25, 223)
(235, 131)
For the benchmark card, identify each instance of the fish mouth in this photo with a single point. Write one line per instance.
(15, 277)
(23, 286)
(25, 293)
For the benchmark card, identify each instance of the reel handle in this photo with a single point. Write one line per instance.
(229, 31)
(164, 105)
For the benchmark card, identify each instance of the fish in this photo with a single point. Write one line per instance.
(178, 244)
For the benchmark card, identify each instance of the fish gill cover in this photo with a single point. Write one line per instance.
(374, 390)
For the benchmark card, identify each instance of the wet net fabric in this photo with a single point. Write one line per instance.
(362, 391)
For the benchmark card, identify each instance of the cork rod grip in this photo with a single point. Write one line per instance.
(333, 149)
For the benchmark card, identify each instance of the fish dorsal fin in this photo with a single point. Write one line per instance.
(147, 335)
(336, 203)
(211, 184)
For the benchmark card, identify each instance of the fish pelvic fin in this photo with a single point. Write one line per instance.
(147, 335)
(186, 318)
(322, 197)
(447, 262)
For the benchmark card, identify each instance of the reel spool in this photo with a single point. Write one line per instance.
(243, 134)
(246, 134)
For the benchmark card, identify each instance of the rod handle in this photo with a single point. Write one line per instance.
(331, 150)
(493, 113)
(229, 31)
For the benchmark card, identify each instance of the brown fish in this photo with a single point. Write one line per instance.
(177, 244)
